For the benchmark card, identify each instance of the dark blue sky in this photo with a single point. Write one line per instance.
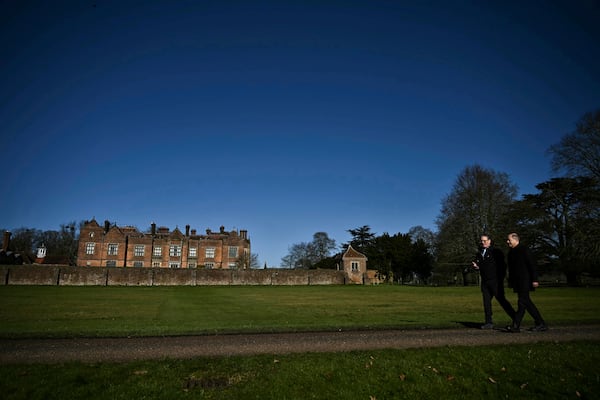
(283, 118)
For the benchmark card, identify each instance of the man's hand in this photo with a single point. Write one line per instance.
(475, 266)
(535, 284)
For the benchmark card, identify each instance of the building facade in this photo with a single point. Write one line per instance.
(114, 246)
(355, 265)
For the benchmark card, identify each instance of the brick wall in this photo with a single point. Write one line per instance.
(82, 276)
(129, 276)
(251, 277)
(119, 276)
(33, 275)
(4, 274)
(174, 277)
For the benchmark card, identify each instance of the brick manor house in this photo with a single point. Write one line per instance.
(125, 246)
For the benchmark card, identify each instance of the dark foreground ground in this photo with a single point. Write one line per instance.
(181, 347)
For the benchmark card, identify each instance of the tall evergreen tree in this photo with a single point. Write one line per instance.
(362, 237)
(562, 223)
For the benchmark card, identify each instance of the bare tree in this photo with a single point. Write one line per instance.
(301, 255)
(307, 254)
(24, 241)
(246, 261)
(322, 245)
(418, 232)
(578, 153)
(477, 203)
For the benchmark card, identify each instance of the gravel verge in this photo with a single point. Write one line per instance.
(48, 351)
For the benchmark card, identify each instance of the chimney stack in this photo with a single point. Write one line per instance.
(153, 228)
(6, 241)
(106, 226)
(187, 230)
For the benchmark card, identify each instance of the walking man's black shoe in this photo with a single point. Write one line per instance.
(489, 325)
(539, 328)
(511, 329)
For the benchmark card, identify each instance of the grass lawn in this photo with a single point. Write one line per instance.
(532, 371)
(52, 311)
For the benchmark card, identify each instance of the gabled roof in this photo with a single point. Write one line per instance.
(351, 253)
(92, 223)
(117, 229)
(129, 229)
(177, 233)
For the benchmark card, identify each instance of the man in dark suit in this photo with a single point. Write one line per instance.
(523, 277)
(489, 261)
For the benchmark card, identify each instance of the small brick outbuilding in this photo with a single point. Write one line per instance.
(355, 265)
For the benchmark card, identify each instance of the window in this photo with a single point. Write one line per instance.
(355, 266)
(138, 250)
(111, 263)
(192, 265)
(156, 264)
(138, 264)
(89, 248)
(157, 252)
(41, 252)
(175, 251)
(209, 265)
(232, 266)
(113, 249)
(173, 265)
(233, 252)
(193, 252)
(210, 252)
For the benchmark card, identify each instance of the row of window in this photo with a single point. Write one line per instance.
(174, 250)
(140, 264)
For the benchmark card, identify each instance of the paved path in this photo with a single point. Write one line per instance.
(129, 349)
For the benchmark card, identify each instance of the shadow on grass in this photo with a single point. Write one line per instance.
(468, 324)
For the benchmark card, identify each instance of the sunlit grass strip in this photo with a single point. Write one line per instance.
(48, 311)
(533, 371)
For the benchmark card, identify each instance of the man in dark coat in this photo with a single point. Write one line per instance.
(489, 261)
(523, 278)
